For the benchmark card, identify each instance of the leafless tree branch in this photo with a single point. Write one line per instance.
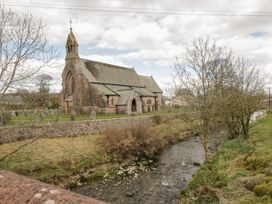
(24, 49)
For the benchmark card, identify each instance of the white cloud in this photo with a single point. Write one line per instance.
(144, 35)
(110, 59)
(160, 38)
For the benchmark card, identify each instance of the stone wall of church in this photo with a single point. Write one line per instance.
(79, 99)
(148, 104)
(85, 96)
(112, 100)
(121, 109)
(135, 108)
(159, 101)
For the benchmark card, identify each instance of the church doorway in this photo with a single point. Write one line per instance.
(133, 106)
(68, 107)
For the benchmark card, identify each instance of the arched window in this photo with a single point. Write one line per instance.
(70, 83)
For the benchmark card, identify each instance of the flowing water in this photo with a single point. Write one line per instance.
(163, 184)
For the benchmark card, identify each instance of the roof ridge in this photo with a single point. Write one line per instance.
(145, 75)
(126, 90)
(113, 65)
(110, 88)
(107, 83)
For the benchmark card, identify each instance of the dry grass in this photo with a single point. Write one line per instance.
(140, 140)
(134, 141)
(49, 157)
(54, 159)
(54, 149)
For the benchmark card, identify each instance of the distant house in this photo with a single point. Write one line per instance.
(89, 85)
(12, 98)
(178, 101)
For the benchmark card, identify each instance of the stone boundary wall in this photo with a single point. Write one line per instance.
(74, 128)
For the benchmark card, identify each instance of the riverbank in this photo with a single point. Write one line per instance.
(161, 182)
(72, 161)
(240, 172)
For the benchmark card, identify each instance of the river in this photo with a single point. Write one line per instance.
(174, 170)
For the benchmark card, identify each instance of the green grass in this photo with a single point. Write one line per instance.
(31, 118)
(49, 158)
(47, 118)
(240, 172)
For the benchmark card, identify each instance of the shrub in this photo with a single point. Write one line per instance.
(157, 119)
(134, 141)
(185, 116)
(54, 105)
(73, 117)
(5, 117)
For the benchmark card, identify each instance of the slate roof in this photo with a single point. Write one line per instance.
(124, 96)
(150, 84)
(103, 88)
(69, 99)
(116, 80)
(117, 88)
(144, 92)
(112, 74)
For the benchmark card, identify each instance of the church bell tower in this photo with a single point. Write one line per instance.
(71, 48)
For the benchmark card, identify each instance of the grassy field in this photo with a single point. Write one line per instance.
(30, 118)
(47, 118)
(240, 172)
(49, 158)
(54, 160)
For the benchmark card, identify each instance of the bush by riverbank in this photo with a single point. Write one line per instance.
(141, 140)
(240, 172)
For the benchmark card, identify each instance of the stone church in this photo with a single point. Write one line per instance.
(89, 85)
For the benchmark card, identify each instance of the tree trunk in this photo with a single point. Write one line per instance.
(245, 126)
(204, 135)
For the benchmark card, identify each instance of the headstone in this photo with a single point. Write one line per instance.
(93, 114)
(73, 116)
(40, 117)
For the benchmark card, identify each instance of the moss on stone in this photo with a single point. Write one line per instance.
(252, 181)
(263, 189)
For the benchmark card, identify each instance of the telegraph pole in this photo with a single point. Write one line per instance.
(269, 99)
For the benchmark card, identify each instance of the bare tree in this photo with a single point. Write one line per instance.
(201, 74)
(24, 50)
(241, 97)
(30, 99)
(220, 87)
(43, 82)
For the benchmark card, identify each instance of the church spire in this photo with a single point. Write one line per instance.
(71, 47)
(70, 26)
